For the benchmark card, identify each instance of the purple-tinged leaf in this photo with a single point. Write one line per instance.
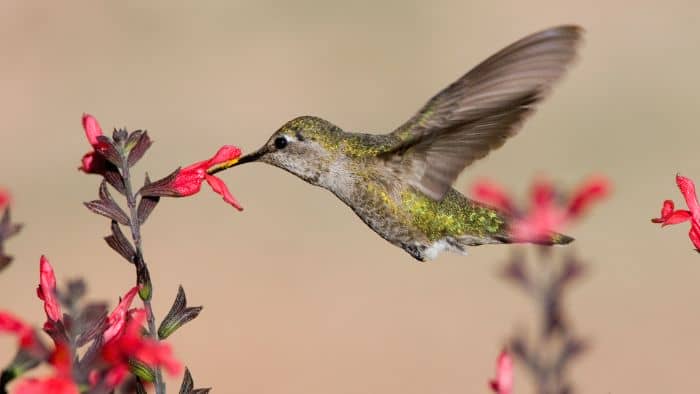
(139, 148)
(119, 135)
(91, 323)
(111, 211)
(118, 242)
(106, 206)
(187, 386)
(147, 204)
(178, 315)
(161, 188)
(114, 178)
(106, 148)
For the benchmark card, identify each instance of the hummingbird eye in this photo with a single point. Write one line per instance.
(280, 142)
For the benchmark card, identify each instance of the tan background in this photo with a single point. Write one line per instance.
(299, 296)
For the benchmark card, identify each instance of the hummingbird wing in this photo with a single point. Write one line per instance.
(479, 111)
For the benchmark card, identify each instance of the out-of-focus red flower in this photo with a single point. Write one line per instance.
(188, 180)
(669, 215)
(503, 382)
(117, 319)
(93, 162)
(4, 199)
(131, 344)
(47, 290)
(13, 325)
(547, 215)
(55, 384)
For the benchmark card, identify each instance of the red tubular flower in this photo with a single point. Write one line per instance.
(93, 162)
(11, 324)
(47, 291)
(494, 195)
(545, 216)
(4, 199)
(131, 344)
(503, 383)
(188, 181)
(669, 215)
(56, 384)
(117, 319)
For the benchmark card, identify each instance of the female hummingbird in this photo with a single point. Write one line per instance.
(400, 184)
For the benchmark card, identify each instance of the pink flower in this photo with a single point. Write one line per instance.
(503, 383)
(131, 344)
(546, 216)
(4, 199)
(47, 291)
(669, 215)
(11, 324)
(117, 319)
(93, 162)
(188, 181)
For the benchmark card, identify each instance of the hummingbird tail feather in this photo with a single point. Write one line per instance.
(554, 239)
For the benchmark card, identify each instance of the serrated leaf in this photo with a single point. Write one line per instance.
(118, 242)
(178, 315)
(106, 148)
(139, 149)
(162, 187)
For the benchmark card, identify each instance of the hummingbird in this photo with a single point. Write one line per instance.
(400, 183)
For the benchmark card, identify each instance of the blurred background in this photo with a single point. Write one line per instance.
(300, 296)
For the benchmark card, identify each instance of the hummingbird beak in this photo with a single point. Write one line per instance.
(245, 159)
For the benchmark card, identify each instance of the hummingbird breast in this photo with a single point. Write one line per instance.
(411, 220)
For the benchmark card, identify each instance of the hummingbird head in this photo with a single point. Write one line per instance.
(305, 146)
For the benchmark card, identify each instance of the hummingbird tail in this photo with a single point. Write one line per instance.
(554, 239)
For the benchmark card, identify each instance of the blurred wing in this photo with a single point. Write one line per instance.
(478, 112)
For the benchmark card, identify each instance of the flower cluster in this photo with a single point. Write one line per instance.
(183, 182)
(548, 214)
(115, 342)
(670, 215)
(93, 350)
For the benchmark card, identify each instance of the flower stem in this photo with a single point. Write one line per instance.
(143, 276)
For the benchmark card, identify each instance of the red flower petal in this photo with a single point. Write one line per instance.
(587, 193)
(11, 324)
(676, 217)
(224, 155)
(51, 385)
(666, 211)
(92, 129)
(4, 198)
(687, 188)
(47, 290)
(220, 187)
(695, 235)
(503, 383)
(492, 194)
(542, 194)
(117, 319)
